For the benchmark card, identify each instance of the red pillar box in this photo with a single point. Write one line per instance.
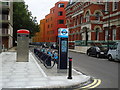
(23, 45)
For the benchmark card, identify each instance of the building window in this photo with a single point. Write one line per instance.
(97, 34)
(77, 37)
(4, 17)
(74, 22)
(48, 26)
(52, 11)
(67, 22)
(97, 16)
(114, 34)
(5, 3)
(106, 34)
(87, 17)
(4, 31)
(80, 19)
(60, 21)
(51, 25)
(61, 5)
(73, 37)
(107, 7)
(98, 1)
(77, 21)
(83, 36)
(60, 13)
(115, 6)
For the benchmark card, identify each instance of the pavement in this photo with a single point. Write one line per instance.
(33, 74)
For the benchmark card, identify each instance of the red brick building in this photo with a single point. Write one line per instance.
(54, 20)
(88, 23)
(113, 16)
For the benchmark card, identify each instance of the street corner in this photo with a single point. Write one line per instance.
(80, 82)
(90, 84)
(61, 82)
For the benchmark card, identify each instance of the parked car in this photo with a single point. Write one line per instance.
(97, 51)
(114, 52)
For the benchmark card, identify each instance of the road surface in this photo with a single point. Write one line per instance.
(99, 68)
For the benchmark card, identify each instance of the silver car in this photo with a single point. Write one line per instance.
(114, 52)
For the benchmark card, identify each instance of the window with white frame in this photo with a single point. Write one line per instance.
(80, 19)
(77, 21)
(106, 7)
(74, 22)
(89, 35)
(114, 34)
(87, 17)
(115, 6)
(97, 16)
(4, 31)
(106, 35)
(82, 36)
(67, 22)
(5, 3)
(97, 34)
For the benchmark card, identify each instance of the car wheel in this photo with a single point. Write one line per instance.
(98, 55)
(110, 58)
(88, 53)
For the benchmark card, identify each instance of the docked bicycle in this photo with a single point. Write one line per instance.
(47, 57)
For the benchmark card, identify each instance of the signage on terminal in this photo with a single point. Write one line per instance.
(63, 32)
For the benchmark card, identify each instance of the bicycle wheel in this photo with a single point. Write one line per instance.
(52, 63)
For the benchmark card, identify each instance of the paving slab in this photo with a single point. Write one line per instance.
(33, 74)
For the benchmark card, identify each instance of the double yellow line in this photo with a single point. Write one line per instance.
(95, 83)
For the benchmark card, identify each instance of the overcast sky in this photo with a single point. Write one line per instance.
(40, 8)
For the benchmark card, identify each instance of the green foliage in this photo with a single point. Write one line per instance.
(22, 19)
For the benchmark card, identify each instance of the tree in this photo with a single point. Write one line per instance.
(23, 19)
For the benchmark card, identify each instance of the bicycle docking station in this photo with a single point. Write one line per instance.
(43, 57)
(22, 45)
(62, 50)
(49, 58)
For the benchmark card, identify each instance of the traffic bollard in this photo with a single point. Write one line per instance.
(70, 68)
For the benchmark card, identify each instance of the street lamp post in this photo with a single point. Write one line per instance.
(86, 32)
(108, 28)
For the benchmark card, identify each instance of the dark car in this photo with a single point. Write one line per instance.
(97, 51)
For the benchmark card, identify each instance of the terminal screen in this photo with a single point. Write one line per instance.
(64, 46)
